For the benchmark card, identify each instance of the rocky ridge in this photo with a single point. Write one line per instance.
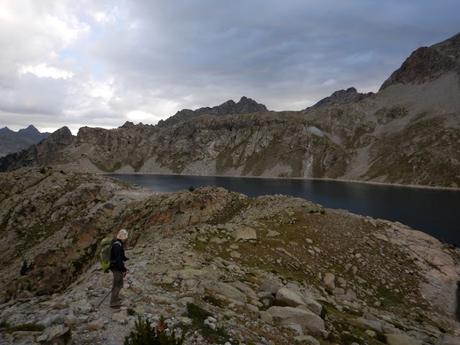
(244, 106)
(349, 95)
(266, 270)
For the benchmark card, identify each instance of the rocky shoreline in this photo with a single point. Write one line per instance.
(266, 270)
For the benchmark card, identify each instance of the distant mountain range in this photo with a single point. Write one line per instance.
(11, 141)
(408, 133)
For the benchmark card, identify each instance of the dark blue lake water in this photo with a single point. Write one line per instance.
(436, 212)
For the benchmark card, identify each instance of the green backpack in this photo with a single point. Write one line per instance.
(105, 253)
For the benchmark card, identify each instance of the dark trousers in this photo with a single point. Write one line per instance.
(116, 287)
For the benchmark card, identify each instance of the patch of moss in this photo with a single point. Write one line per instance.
(31, 236)
(346, 330)
(26, 327)
(389, 298)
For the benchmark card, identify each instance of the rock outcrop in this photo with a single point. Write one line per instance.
(327, 277)
(48, 151)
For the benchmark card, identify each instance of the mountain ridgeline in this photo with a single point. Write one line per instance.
(408, 133)
(11, 141)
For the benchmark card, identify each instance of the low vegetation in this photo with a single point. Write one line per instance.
(144, 333)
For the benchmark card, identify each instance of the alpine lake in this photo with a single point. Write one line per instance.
(434, 211)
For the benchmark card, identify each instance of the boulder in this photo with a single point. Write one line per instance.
(296, 317)
(373, 324)
(225, 290)
(57, 334)
(271, 286)
(329, 280)
(95, 325)
(245, 234)
(249, 292)
(272, 233)
(81, 306)
(450, 340)
(401, 339)
(288, 297)
(307, 340)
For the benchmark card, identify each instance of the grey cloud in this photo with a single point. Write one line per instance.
(167, 55)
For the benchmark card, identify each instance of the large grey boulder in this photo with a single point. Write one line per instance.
(225, 290)
(373, 324)
(271, 286)
(291, 298)
(288, 297)
(296, 318)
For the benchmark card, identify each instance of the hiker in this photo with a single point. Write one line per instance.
(117, 266)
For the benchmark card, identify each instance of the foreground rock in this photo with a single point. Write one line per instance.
(327, 277)
(299, 320)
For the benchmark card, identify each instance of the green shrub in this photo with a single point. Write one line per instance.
(198, 316)
(145, 334)
(4, 324)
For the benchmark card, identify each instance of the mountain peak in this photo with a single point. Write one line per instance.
(127, 124)
(244, 106)
(6, 130)
(428, 63)
(30, 130)
(342, 97)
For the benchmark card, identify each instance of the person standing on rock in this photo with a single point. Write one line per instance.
(117, 266)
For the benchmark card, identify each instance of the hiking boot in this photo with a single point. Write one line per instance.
(116, 303)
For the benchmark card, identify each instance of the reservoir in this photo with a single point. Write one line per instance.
(434, 211)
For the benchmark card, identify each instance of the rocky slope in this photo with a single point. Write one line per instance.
(348, 135)
(221, 267)
(11, 141)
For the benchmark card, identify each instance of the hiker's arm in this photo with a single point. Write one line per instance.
(118, 259)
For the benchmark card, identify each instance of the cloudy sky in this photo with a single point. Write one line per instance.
(100, 63)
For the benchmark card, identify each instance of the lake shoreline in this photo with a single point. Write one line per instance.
(386, 184)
